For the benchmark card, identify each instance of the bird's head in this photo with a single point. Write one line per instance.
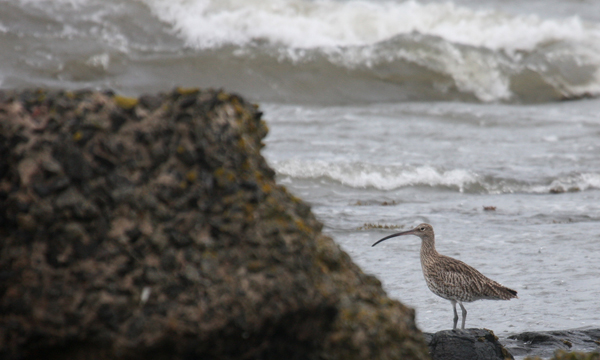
(422, 231)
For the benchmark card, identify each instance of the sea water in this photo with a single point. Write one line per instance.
(478, 117)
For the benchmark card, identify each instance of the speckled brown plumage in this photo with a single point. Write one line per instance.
(452, 279)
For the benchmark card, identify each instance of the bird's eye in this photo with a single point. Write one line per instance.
(422, 229)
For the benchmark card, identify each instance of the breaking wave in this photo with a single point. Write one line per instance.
(443, 48)
(390, 177)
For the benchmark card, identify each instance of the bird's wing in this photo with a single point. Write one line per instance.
(459, 280)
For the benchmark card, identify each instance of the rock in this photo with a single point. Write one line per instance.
(468, 344)
(546, 343)
(565, 355)
(153, 228)
(482, 344)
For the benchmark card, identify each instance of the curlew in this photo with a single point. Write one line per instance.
(452, 279)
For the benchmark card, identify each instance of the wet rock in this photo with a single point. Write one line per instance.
(566, 355)
(546, 343)
(468, 344)
(153, 228)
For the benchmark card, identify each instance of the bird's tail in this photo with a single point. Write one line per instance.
(505, 293)
(512, 293)
(496, 291)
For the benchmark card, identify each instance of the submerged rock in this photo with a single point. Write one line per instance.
(153, 228)
(566, 355)
(546, 343)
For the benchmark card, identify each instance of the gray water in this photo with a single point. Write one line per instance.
(383, 113)
(442, 163)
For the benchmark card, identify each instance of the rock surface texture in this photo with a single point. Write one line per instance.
(468, 344)
(152, 228)
(566, 355)
(546, 343)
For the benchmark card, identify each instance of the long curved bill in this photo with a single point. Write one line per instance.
(409, 232)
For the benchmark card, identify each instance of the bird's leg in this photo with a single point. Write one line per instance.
(455, 313)
(464, 314)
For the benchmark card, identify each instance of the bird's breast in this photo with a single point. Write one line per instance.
(446, 284)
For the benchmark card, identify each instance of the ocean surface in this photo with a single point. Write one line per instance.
(383, 114)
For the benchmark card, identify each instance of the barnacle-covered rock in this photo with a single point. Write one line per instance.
(153, 228)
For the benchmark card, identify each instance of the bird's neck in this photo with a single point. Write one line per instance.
(428, 247)
(429, 256)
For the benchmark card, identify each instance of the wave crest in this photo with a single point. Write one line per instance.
(381, 177)
(391, 177)
(444, 51)
(318, 24)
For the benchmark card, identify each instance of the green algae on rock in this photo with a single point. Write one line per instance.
(566, 355)
(154, 227)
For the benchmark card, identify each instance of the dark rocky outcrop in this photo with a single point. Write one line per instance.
(567, 355)
(578, 344)
(153, 228)
(468, 344)
(546, 343)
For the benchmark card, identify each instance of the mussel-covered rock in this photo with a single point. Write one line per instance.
(153, 228)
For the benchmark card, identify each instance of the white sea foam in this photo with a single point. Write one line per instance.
(318, 24)
(573, 182)
(383, 177)
(56, 2)
(479, 49)
(386, 177)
